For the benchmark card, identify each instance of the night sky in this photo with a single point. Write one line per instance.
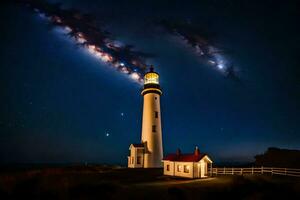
(60, 104)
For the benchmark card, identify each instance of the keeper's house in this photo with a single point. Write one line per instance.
(194, 165)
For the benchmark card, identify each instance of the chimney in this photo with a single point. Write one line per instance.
(178, 152)
(197, 151)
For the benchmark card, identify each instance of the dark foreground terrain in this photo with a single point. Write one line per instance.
(95, 182)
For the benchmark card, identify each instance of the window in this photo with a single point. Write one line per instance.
(155, 98)
(168, 167)
(153, 128)
(179, 168)
(186, 169)
(140, 151)
(156, 114)
(138, 160)
(132, 160)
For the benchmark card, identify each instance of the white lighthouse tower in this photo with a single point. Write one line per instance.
(149, 153)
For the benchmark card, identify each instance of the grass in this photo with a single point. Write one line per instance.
(97, 182)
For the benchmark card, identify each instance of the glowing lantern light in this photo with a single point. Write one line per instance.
(151, 78)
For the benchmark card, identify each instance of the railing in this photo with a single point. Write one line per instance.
(254, 170)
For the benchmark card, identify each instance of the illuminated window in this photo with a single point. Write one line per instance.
(186, 169)
(168, 167)
(179, 167)
(153, 128)
(151, 78)
(156, 114)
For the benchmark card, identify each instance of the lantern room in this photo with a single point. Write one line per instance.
(151, 77)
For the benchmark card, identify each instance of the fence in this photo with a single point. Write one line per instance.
(254, 170)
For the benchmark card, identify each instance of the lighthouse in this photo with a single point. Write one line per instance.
(149, 153)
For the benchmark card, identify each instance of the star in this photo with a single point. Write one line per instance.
(122, 114)
(107, 134)
(220, 66)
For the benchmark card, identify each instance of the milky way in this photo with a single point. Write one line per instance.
(202, 43)
(97, 41)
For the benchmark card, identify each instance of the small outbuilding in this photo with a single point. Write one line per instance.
(136, 156)
(194, 165)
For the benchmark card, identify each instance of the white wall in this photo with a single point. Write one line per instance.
(134, 153)
(206, 163)
(153, 140)
(203, 168)
(196, 169)
(181, 173)
(171, 168)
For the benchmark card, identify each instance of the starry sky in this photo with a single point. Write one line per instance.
(60, 105)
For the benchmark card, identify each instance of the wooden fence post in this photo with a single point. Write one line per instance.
(262, 170)
(252, 170)
(232, 170)
(224, 171)
(272, 171)
(241, 171)
(285, 171)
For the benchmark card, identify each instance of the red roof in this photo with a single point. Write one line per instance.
(184, 157)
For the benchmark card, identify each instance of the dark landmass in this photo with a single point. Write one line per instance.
(106, 182)
(275, 157)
